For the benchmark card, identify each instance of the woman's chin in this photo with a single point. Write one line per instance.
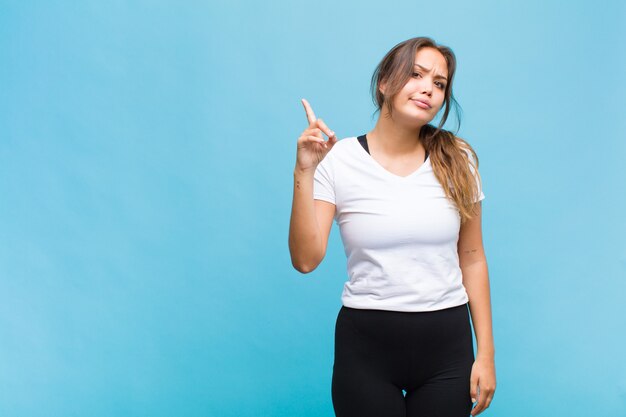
(417, 120)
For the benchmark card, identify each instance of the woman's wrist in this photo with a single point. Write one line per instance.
(486, 355)
(303, 171)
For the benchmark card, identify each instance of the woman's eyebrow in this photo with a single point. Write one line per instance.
(428, 70)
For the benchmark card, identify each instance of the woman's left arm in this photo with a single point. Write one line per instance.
(473, 263)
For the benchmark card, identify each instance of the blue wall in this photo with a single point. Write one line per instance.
(146, 159)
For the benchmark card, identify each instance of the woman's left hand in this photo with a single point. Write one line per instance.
(482, 384)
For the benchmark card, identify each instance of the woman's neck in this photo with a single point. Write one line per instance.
(395, 139)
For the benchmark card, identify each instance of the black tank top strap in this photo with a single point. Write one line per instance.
(363, 141)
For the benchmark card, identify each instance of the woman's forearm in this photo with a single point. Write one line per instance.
(304, 233)
(476, 282)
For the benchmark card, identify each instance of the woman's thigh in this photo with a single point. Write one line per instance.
(366, 374)
(439, 398)
(355, 396)
(442, 366)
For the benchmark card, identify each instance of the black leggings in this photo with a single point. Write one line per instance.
(380, 353)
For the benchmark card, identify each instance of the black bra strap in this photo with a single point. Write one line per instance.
(363, 141)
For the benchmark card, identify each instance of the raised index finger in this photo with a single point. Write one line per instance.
(309, 112)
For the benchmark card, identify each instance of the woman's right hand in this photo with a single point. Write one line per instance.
(312, 147)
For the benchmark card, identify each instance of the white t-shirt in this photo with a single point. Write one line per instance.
(400, 234)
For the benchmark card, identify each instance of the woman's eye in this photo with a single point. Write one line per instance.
(416, 73)
(441, 85)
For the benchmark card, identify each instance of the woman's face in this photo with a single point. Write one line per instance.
(421, 98)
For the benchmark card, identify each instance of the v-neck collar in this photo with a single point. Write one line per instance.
(384, 170)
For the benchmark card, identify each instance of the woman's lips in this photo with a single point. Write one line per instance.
(421, 104)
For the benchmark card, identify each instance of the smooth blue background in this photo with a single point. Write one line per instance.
(146, 159)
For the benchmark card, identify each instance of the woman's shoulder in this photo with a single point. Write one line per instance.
(462, 142)
(346, 141)
(464, 145)
(343, 145)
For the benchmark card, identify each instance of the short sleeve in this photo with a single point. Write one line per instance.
(323, 181)
(482, 195)
(476, 177)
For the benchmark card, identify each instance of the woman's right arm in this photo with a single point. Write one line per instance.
(311, 220)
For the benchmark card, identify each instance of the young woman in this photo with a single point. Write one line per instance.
(407, 199)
